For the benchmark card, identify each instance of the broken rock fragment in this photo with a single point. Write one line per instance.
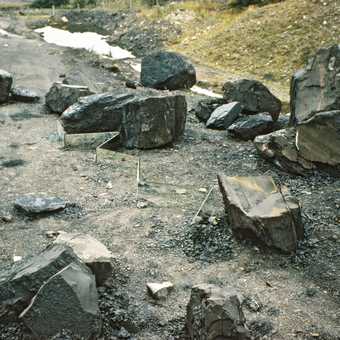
(22, 94)
(205, 107)
(61, 96)
(39, 205)
(224, 116)
(67, 301)
(257, 209)
(215, 313)
(6, 81)
(253, 96)
(159, 291)
(92, 252)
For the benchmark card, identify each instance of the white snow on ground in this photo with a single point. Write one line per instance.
(89, 41)
(205, 92)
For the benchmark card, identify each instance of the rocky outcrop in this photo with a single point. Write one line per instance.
(167, 71)
(224, 116)
(67, 301)
(39, 205)
(317, 87)
(257, 209)
(61, 96)
(253, 96)
(22, 94)
(205, 107)
(6, 81)
(215, 313)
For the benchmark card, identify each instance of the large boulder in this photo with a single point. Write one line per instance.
(67, 301)
(167, 71)
(6, 81)
(215, 313)
(22, 282)
(317, 87)
(61, 96)
(318, 139)
(145, 118)
(253, 96)
(258, 209)
(205, 107)
(92, 252)
(224, 116)
(279, 147)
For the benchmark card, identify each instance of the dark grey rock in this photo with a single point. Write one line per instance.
(39, 205)
(316, 88)
(167, 71)
(61, 96)
(247, 128)
(67, 301)
(258, 209)
(224, 116)
(22, 282)
(22, 94)
(6, 81)
(253, 96)
(215, 313)
(205, 107)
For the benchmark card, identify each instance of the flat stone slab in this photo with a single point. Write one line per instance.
(39, 205)
(223, 116)
(23, 94)
(159, 291)
(257, 209)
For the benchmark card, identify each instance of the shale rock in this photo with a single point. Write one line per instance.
(22, 94)
(6, 81)
(92, 252)
(279, 147)
(39, 205)
(215, 313)
(167, 71)
(67, 301)
(159, 291)
(205, 107)
(258, 209)
(224, 116)
(253, 96)
(22, 282)
(61, 96)
(317, 87)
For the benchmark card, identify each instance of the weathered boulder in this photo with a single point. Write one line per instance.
(205, 107)
(258, 209)
(67, 301)
(318, 139)
(92, 252)
(279, 148)
(167, 71)
(6, 81)
(224, 116)
(61, 96)
(22, 282)
(39, 205)
(247, 128)
(159, 291)
(215, 313)
(253, 96)
(145, 118)
(22, 94)
(317, 87)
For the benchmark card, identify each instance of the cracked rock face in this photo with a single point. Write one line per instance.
(6, 81)
(224, 116)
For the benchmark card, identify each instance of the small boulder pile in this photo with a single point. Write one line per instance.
(10, 93)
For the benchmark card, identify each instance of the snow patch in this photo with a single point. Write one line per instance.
(205, 92)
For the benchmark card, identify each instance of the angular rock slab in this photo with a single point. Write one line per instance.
(167, 71)
(318, 139)
(19, 285)
(253, 96)
(61, 96)
(316, 88)
(159, 291)
(92, 252)
(256, 208)
(22, 94)
(6, 81)
(223, 116)
(67, 301)
(279, 147)
(39, 205)
(215, 313)
(205, 107)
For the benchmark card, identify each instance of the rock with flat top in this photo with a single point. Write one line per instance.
(257, 209)
(224, 116)
(23, 94)
(92, 252)
(205, 107)
(66, 301)
(215, 313)
(159, 291)
(39, 205)
(6, 81)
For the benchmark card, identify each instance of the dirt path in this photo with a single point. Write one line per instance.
(300, 294)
